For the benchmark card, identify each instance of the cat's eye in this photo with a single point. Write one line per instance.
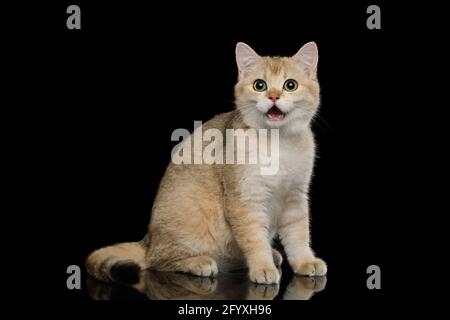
(259, 85)
(290, 85)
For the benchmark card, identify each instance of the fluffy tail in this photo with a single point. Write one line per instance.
(119, 263)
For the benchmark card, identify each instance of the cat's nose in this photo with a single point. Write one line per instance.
(274, 97)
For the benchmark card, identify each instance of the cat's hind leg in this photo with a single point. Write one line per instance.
(202, 266)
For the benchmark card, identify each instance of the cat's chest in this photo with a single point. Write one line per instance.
(293, 167)
(290, 174)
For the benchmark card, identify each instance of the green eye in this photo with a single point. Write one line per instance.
(290, 85)
(259, 85)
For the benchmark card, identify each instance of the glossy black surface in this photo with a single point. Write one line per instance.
(176, 286)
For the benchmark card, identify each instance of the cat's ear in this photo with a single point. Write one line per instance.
(246, 58)
(307, 57)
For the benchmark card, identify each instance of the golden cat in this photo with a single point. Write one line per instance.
(208, 218)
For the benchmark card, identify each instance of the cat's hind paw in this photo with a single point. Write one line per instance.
(277, 257)
(202, 266)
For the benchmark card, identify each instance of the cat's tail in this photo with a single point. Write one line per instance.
(120, 263)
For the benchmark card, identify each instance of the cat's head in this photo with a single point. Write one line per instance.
(277, 92)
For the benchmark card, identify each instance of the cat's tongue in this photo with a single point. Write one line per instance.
(275, 114)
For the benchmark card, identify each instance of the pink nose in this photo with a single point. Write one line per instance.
(274, 97)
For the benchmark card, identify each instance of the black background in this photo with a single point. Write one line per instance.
(113, 92)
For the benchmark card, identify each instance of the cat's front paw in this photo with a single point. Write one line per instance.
(265, 275)
(310, 267)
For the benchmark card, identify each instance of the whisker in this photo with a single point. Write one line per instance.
(316, 119)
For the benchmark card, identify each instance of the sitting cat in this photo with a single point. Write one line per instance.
(208, 218)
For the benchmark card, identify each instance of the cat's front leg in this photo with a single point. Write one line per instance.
(249, 227)
(293, 229)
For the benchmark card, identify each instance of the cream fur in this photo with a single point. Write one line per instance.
(211, 218)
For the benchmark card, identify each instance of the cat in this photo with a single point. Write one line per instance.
(211, 217)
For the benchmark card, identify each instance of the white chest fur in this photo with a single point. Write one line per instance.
(268, 193)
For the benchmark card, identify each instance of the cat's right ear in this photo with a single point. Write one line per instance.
(246, 58)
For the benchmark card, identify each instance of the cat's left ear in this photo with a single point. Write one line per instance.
(307, 57)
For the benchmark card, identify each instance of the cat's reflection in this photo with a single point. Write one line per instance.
(303, 288)
(156, 285)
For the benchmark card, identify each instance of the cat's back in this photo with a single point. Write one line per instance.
(187, 180)
(222, 121)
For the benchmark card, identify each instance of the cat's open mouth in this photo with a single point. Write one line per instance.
(275, 114)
